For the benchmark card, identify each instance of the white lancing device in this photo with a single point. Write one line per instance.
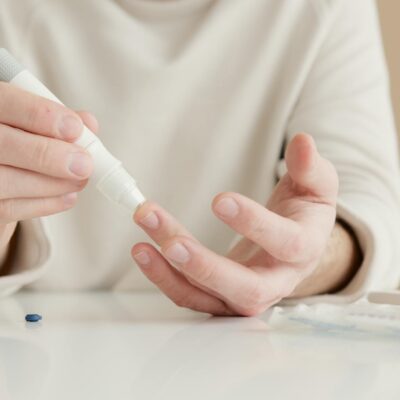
(109, 176)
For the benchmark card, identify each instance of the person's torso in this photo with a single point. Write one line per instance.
(193, 96)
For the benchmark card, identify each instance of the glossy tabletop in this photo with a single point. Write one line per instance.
(140, 346)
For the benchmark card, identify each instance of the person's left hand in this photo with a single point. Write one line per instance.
(282, 245)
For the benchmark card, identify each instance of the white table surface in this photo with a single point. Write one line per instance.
(140, 346)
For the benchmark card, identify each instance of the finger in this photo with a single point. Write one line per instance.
(281, 237)
(20, 183)
(173, 284)
(89, 120)
(309, 170)
(31, 113)
(159, 224)
(22, 209)
(279, 280)
(44, 155)
(231, 281)
(162, 227)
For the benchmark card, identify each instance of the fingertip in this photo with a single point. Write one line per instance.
(89, 120)
(135, 248)
(70, 199)
(140, 247)
(176, 240)
(215, 201)
(139, 212)
(217, 198)
(309, 169)
(220, 197)
(142, 254)
(142, 259)
(81, 184)
(147, 217)
(301, 154)
(303, 136)
(227, 207)
(143, 210)
(69, 126)
(80, 164)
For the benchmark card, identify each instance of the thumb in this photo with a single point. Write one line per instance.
(309, 170)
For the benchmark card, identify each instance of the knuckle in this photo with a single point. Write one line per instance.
(41, 152)
(6, 210)
(80, 185)
(4, 138)
(3, 86)
(4, 94)
(256, 309)
(284, 290)
(294, 248)
(255, 296)
(68, 186)
(41, 115)
(205, 274)
(334, 174)
(158, 279)
(256, 228)
(183, 301)
(48, 206)
(297, 247)
(4, 182)
(43, 207)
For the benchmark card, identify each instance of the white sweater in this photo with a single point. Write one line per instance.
(197, 97)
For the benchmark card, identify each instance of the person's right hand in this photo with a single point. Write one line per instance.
(41, 170)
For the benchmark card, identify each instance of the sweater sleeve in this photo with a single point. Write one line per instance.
(29, 256)
(345, 106)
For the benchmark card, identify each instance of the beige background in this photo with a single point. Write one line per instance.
(390, 21)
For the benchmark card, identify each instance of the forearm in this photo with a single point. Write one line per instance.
(340, 262)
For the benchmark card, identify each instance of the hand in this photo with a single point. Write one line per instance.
(41, 171)
(282, 243)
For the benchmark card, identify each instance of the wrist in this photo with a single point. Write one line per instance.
(338, 265)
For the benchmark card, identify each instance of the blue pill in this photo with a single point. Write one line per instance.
(33, 317)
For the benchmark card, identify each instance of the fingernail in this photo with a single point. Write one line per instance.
(177, 253)
(150, 221)
(142, 258)
(70, 198)
(227, 207)
(70, 127)
(80, 164)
